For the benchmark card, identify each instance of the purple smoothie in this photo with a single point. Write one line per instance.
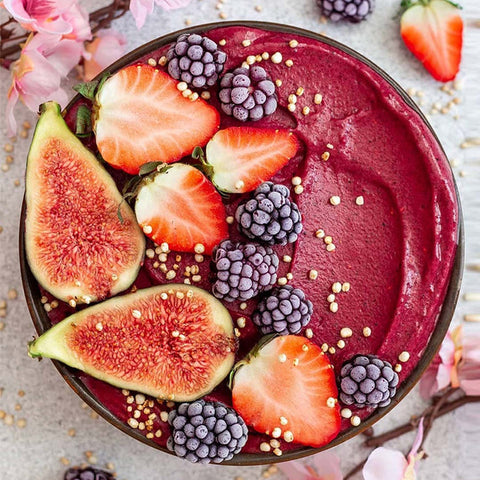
(396, 250)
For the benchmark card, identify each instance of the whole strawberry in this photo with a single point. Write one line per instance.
(433, 31)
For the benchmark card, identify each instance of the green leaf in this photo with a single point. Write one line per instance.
(87, 89)
(84, 121)
(198, 154)
(149, 167)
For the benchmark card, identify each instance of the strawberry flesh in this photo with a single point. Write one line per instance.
(182, 208)
(434, 34)
(244, 157)
(288, 384)
(141, 116)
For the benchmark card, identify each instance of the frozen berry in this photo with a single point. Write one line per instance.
(352, 10)
(284, 310)
(367, 381)
(270, 216)
(206, 432)
(87, 473)
(195, 60)
(248, 93)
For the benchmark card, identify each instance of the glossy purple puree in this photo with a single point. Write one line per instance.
(395, 250)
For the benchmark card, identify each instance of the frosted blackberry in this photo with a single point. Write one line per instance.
(270, 216)
(195, 60)
(284, 310)
(247, 93)
(87, 473)
(352, 10)
(367, 381)
(243, 270)
(206, 432)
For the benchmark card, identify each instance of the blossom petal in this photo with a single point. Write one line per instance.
(140, 9)
(295, 470)
(12, 99)
(172, 4)
(327, 464)
(418, 439)
(384, 463)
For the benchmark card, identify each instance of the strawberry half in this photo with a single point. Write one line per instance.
(140, 116)
(433, 31)
(244, 157)
(180, 206)
(288, 384)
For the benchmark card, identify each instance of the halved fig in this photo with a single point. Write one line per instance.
(171, 341)
(77, 247)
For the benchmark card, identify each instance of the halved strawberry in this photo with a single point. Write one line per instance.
(181, 207)
(433, 31)
(244, 157)
(288, 384)
(140, 116)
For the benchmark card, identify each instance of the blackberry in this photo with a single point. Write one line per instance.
(195, 60)
(87, 473)
(367, 381)
(284, 310)
(247, 93)
(243, 270)
(206, 432)
(352, 10)
(270, 216)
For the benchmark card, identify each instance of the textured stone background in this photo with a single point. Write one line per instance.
(51, 408)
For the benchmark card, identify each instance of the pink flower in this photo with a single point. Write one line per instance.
(106, 47)
(37, 74)
(141, 8)
(326, 466)
(60, 17)
(384, 463)
(469, 365)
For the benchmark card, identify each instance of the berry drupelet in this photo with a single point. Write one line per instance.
(367, 381)
(352, 10)
(206, 432)
(284, 310)
(195, 60)
(243, 270)
(247, 93)
(87, 473)
(270, 216)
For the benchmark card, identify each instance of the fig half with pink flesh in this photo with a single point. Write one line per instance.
(77, 247)
(172, 341)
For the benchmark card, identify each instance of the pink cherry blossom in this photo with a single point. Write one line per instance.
(469, 365)
(325, 466)
(384, 463)
(78, 18)
(141, 8)
(36, 76)
(106, 47)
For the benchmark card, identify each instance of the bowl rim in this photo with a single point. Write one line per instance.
(41, 321)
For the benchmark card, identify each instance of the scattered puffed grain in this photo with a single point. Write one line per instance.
(341, 344)
(230, 219)
(276, 57)
(287, 258)
(246, 43)
(398, 368)
(331, 350)
(334, 307)
(331, 298)
(346, 413)
(367, 331)
(346, 332)
(355, 420)
(320, 233)
(337, 287)
(306, 110)
(241, 322)
(309, 333)
(289, 63)
(330, 247)
(291, 107)
(335, 200)
(296, 180)
(278, 82)
(313, 274)
(293, 43)
(404, 357)
(299, 189)
(265, 447)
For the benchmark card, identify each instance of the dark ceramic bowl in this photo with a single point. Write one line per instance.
(42, 323)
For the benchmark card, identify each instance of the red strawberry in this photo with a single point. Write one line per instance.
(244, 157)
(432, 31)
(288, 384)
(181, 207)
(141, 116)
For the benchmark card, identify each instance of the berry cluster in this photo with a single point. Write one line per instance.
(270, 216)
(247, 93)
(284, 310)
(206, 432)
(243, 270)
(195, 60)
(87, 473)
(367, 381)
(352, 10)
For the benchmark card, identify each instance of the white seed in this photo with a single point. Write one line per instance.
(136, 313)
(239, 184)
(312, 274)
(199, 258)
(331, 350)
(162, 61)
(337, 287)
(287, 258)
(346, 332)
(246, 43)
(278, 82)
(293, 43)
(276, 57)
(276, 432)
(300, 91)
(331, 402)
(230, 220)
(309, 333)
(99, 326)
(282, 281)
(331, 298)
(398, 368)
(346, 287)
(341, 344)
(243, 306)
(367, 331)
(222, 42)
(283, 421)
(355, 420)
(346, 413)
(335, 200)
(265, 447)
(164, 247)
(274, 443)
(206, 95)
(295, 362)
(241, 322)
(171, 274)
(296, 181)
(334, 307)
(288, 436)
(291, 107)
(404, 357)
(318, 98)
(250, 59)
(265, 55)
(182, 86)
(292, 98)
(306, 110)
(133, 422)
(330, 247)
(325, 156)
(298, 189)
(289, 63)
(152, 62)
(325, 347)
(359, 200)
(282, 358)
(199, 248)
(330, 146)
(320, 233)
(277, 452)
